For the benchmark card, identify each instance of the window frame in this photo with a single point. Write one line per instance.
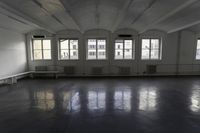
(42, 49)
(150, 44)
(198, 40)
(69, 50)
(133, 48)
(96, 49)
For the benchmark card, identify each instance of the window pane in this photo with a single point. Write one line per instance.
(74, 44)
(92, 49)
(101, 54)
(47, 54)
(101, 44)
(128, 44)
(118, 54)
(198, 50)
(119, 45)
(198, 54)
(91, 54)
(74, 54)
(154, 44)
(37, 54)
(145, 48)
(154, 54)
(64, 54)
(101, 49)
(64, 44)
(145, 44)
(127, 54)
(198, 44)
(37, 44)
(91, 44)
(46, 44)
(145, 54)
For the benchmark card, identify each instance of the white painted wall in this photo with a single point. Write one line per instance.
(188, 52)
(12, 53)
(175, 58)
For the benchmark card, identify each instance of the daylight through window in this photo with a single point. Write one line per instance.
(96, 49)
(151, 49)
(124, 49)
(41, 49)
(68, 49)
(198, 50)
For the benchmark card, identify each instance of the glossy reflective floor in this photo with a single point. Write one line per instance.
(100, 105)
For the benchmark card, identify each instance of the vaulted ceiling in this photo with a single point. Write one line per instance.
(83, 15)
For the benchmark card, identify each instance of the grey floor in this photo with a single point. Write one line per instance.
(101, 105)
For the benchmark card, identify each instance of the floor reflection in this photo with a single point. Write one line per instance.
(71, 101)
(149, 105)
(97, 100)
(122, 100)
(74, 100)
(147, 99)
(44, 100)
(195, 101)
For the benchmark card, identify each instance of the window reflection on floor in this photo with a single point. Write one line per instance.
(96, 100)
(195, 101)
(147, 99)
(122, 100)
(71, 101)
(44, 100)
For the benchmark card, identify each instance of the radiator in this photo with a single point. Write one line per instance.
(151, 69)
(41, 68)
(124, 71)
(97, 71)
(69, 70)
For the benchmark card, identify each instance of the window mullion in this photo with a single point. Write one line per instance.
(132, 48)
(159, 49)
(69, 48)
(97, 49)
(123, 49)
(33, 54)
(133, 44)
(59, 50)
(42, 49)
(150, 50)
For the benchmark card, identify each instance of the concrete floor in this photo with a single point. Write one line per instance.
(100, 105)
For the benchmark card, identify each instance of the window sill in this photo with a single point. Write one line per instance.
(96, 59)
(151, 60)
(42, 60)
(70, 60)
(124, 59)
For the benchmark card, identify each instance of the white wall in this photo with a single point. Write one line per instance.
(188, 52)
(178, 52)
(12, 53)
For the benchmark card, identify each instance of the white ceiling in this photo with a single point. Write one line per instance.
(82, 15)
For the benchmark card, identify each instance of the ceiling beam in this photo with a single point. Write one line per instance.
(185, 26)
(25, 17)
(145, 10)
(15, 19)
(47, 12)
(169, 14)
(121, 15)
(97, 14)
(68, 11)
